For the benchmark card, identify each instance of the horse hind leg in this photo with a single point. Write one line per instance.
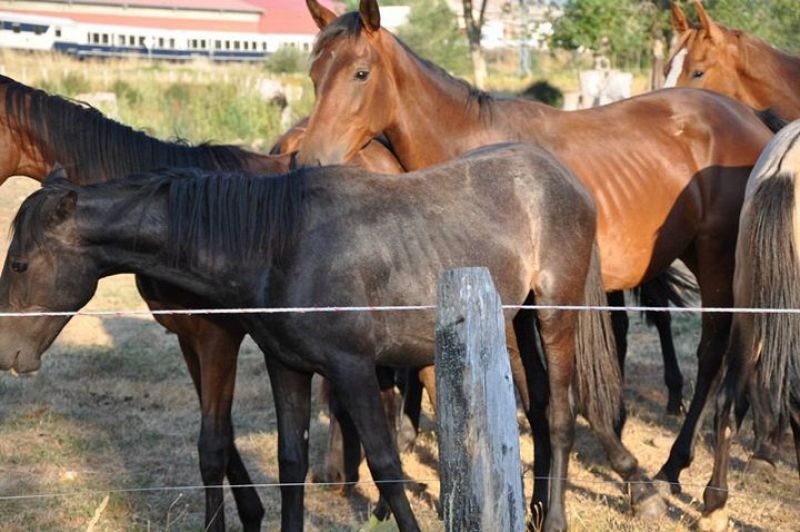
(738, 374)
(715, 277)
(538, 390)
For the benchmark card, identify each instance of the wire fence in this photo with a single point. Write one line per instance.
(388, 308)
(264, 485)
(344, 309)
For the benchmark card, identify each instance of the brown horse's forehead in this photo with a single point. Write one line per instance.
(343, 51)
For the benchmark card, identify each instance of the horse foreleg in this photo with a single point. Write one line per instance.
(291, 391)
(211, 351)
(365, 409)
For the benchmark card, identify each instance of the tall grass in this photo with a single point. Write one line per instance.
(198, 101)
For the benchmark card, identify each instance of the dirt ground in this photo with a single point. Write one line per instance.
(113, 409)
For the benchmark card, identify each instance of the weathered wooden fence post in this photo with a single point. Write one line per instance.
(479, 460)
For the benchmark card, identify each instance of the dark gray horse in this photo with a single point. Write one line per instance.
(343, 236)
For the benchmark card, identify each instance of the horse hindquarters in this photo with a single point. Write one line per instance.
(764, 352)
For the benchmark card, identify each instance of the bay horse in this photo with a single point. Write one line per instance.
(731, 62)
(763, 357)
(336, 236)
(36, 131)
(667, 169)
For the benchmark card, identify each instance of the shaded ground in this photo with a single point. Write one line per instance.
(113, 408)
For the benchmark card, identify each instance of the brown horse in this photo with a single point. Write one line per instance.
(731, 62)
(667, 169)
(36, 131)
(763, 358)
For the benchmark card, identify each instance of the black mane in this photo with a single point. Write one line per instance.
(95, 148)
(233, 216)
(211, 216)
(350, 25)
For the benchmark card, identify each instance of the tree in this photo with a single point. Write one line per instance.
(624, 27)
(432, 32)
(474, 27)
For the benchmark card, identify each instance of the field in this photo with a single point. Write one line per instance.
(113, 413)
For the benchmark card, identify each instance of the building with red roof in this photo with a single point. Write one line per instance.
(207, 25)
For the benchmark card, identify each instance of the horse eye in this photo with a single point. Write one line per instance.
(697, 74)
(19, 266)
(362, 75)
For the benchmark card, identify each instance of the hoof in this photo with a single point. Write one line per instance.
(651, 509)
(716, 521)
(760, 467)
(665, 487)
(676, 409)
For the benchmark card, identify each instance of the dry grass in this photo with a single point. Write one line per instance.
(113, 408)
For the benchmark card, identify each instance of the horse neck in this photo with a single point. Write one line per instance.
(773, 78)
(445, 118)
(46, 136)
(126, 232)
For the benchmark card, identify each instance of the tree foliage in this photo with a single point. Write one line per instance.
(432, 31)
(775, 21)
(623, 28)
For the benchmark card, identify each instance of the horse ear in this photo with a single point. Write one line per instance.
(679, 21)
(370, 15)
(322, 15)
(706, 23)
(65, 207)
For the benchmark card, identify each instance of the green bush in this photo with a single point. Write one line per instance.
(126, 92)
(287, 60)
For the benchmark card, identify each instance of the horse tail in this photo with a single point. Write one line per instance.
(674, 286)
(598, 378)
(774, 280)
(772, 119)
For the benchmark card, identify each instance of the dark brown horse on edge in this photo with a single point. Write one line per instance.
(331, 236)
(667, 170)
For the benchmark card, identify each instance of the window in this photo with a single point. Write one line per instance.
(264, 46)
(161, 42)
(141, 40)
(16, 27)
(305, 46)
(172, 43)
(227, 45)
(246, 45)
(105, 38)
(58, 32)
(131, 40)
(237, 45)
(218, 44)
(202, 43)
(121, 40)
(95, 38)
